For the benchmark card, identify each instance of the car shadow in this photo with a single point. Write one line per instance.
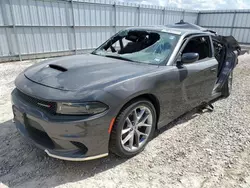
(185, 118)
(22, 164)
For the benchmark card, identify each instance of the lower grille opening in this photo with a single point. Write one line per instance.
(40, 137)
(81, 146)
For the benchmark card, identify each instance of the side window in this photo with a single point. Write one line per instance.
(200, 45)
(217, 49)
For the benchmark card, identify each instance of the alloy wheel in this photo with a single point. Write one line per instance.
(136, 128)
(230, 82)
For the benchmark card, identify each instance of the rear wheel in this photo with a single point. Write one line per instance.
(227, 88)
(133, 128)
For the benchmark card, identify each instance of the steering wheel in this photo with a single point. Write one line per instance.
(112, 49)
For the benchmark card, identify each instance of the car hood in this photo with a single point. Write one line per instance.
(85, 71)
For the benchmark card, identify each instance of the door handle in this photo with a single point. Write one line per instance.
(213, 69)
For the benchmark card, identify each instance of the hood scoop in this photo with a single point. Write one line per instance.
(57, 67)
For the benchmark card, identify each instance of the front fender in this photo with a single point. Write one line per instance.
(128, 90)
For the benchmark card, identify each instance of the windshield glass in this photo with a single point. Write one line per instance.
(140, 46)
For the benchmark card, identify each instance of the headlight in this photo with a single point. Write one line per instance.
(86, 108)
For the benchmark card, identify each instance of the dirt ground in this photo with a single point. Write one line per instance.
(198, 150)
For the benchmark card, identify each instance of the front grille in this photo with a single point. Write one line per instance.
(47, 106)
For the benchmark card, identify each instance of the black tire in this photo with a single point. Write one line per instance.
(115, 145)
(227, 88)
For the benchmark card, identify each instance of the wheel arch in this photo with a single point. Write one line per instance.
(154, 100)
(149, 96)
(113, 136)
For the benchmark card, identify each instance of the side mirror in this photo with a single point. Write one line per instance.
(189, 57)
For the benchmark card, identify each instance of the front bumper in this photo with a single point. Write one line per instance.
(63, 137)
(75, 158)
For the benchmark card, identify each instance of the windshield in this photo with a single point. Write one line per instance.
(151, 47)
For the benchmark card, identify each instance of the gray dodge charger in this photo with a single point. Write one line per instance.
(113, 100)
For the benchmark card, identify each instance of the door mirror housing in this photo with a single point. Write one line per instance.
(189, 57)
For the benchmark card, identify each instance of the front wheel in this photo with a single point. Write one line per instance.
(133, 128)
(227, 88)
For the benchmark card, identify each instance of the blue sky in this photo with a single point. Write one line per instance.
(198, 4)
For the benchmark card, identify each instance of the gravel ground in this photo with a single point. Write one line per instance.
(197, 150)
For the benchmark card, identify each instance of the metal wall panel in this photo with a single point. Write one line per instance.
(92, 37)
(150, 16)
(5, 48)
(242, 35)
(235, 23)
(1, 17)
(190, 17)
(242, 20)
(5, 13)
(93, 14)
(216, 19)
(30, 27)
(172, 16)
(126, 16)
(34, 27)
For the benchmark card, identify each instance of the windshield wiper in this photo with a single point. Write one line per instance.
(122, 58)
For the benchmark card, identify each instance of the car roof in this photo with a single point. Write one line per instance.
(180, 28)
